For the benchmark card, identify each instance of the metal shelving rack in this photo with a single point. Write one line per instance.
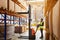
(5, 18)
(6, 21)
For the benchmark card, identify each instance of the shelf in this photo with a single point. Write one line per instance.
(9, 20)
(2, 25)
(11, 13)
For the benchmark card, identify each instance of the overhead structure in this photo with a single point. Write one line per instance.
(37, 3)
(19, 4)
(3, 11)
(49, 4)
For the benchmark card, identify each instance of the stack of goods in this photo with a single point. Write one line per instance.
(9, 31)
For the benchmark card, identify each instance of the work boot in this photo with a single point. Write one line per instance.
(41, 37)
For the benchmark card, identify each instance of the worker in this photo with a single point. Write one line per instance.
(41, 24)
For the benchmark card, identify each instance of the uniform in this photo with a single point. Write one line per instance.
(41, 28)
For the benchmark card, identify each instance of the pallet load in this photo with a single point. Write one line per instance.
(9, 31)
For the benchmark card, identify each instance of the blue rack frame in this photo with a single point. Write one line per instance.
(5, 19)
(5, 26)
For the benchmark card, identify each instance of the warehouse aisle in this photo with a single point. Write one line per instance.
(16, 36)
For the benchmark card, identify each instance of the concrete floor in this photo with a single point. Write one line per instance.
(38, 34)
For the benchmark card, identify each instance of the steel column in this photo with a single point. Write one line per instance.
(29, 12)
(5, 26)
(13, 19)
(19, 21)
(10, 19)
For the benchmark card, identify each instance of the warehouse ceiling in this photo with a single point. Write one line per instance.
(35, 4)
(32, 2)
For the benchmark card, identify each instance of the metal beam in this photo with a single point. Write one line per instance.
(11, 13)
(19, 21)
(29, 21)
(19, 4)
(8, 4)
(5, 26)
(22, 12)
(49, 4)
(10, 19)
(13, 19)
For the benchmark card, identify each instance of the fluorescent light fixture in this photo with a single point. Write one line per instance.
(37, 0)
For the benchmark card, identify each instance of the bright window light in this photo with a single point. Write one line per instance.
(40, 0)
(37, 0)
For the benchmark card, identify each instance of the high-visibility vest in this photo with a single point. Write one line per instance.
(41, 25)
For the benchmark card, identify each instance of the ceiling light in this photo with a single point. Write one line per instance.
(36, 0)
